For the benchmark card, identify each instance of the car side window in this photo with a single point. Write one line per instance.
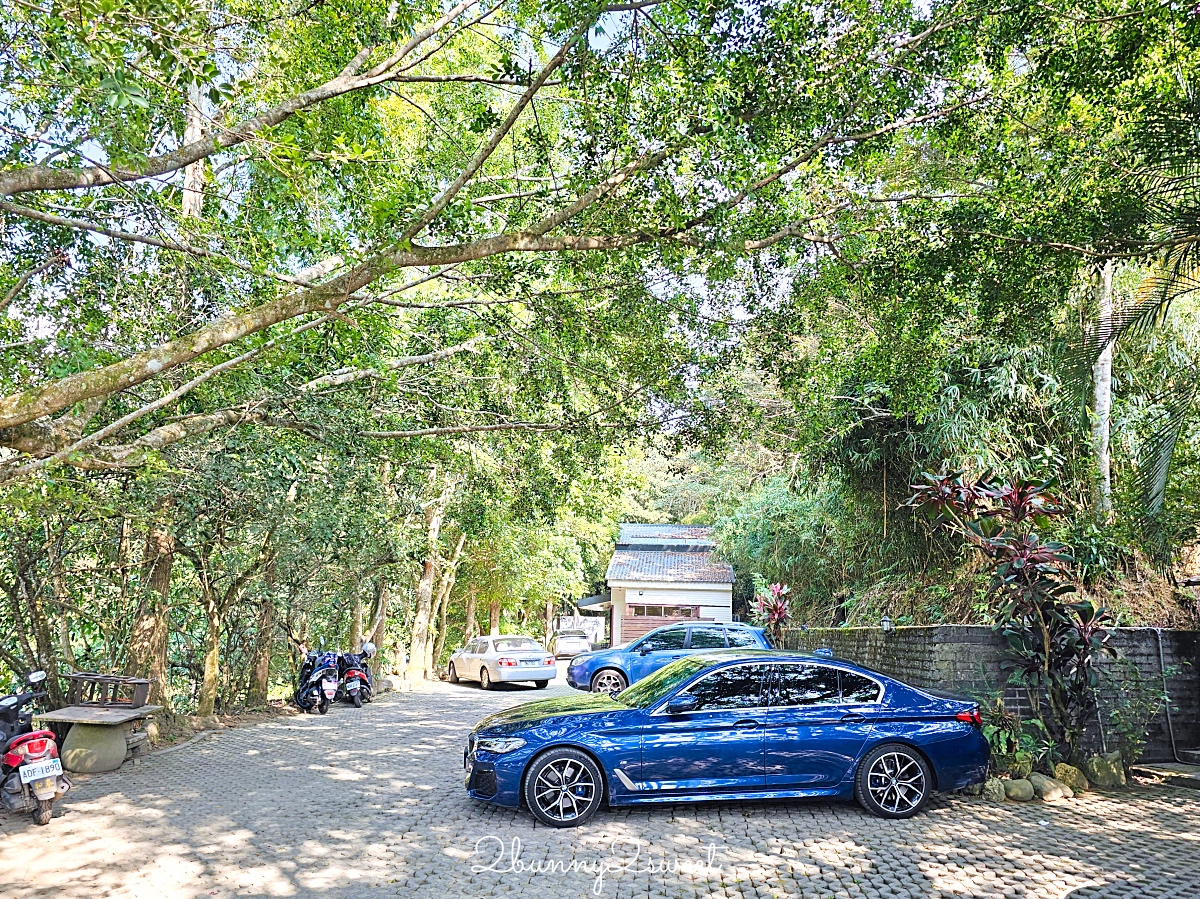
(801, 685)
(663, 640)
(856, 688)
(480, 647)
(737, 687)
(739, 637)
(708, 638)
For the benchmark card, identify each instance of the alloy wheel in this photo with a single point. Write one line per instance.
(608, 682)
(564, 790)
(896, 782)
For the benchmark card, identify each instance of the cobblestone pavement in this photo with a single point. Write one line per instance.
(371, 804)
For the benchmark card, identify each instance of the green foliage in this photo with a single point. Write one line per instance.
(1133, 700)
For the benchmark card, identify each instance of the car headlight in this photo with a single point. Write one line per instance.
(499, 745)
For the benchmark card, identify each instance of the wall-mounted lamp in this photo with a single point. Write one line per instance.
(886, 624)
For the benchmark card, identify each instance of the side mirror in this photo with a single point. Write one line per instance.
(643, 649)
(681, 704)
(35, 677)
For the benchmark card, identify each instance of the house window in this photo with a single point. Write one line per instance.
(663, 611)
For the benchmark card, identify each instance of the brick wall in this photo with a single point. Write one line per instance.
(966, 659)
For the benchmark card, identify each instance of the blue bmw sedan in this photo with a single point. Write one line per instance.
(612, 670)
(748, 724)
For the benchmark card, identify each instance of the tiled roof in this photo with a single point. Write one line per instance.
(668, 567)
(665, 533)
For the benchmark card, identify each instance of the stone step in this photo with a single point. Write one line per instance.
(1191, 756)
(1173, 773)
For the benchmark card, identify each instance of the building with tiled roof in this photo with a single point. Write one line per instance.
(661, 573)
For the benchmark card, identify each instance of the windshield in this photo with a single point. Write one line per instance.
(572, 634)
(650, 690)
(516, 643)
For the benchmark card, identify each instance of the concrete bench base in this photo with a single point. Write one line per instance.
(92, 748)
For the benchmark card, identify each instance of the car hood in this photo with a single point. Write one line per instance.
(534, 713)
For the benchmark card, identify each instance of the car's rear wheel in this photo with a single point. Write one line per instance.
(485, 679)
(541, 684)
(563, 787)
(893, 781)
(609, 681)
(451, 674)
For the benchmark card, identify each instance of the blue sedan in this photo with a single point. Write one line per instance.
(730, 725)
(612, 670)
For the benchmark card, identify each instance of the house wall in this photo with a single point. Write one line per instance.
(966, 660)
(713, 602)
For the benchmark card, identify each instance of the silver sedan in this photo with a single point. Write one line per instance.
(496, 659)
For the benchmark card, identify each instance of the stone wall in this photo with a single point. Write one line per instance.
(966, 660)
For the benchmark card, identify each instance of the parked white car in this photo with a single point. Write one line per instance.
(502, 659)
(570, 643)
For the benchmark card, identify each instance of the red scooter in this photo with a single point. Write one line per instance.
(31, 775)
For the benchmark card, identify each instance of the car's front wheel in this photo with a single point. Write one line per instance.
(563, 787)
(452, 674)
(609, 681)
(893, 781)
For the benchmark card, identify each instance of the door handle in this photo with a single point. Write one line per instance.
(853, 718)
(746, 723)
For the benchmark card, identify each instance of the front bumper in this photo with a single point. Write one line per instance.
(495, 778)
(524, 672)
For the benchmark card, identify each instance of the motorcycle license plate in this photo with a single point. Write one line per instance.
(352, 686)
(39, 770)
(330, 687)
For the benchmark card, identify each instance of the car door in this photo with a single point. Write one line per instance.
(478, 648)
(813, 734)
(654, 650)
(716, 747)
(703, 637)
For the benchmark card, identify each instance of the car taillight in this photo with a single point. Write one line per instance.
(549, 660)
(971, 717)
(506, 663)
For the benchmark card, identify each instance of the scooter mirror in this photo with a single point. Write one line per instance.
(35, 677)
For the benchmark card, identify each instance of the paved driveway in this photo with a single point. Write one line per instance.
(370, 804)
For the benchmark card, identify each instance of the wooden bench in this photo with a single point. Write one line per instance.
(100, 738)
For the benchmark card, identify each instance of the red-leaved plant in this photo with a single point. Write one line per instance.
(1052, 644)
(771, 610)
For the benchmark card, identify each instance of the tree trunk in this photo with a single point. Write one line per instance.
(212, 657)
(550, 604)
(470, 631)
(445, 585)
(377, 631)
(260, 683)
(1102, 398)
(356, 622)
(418, 649)
(151, 628)
(192, 203)
(494, 617)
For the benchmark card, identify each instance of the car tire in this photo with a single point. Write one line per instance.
(609, 680)
(547, 797)
(541, 684)
(485, 679)
(451, 674)
(893, 781)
